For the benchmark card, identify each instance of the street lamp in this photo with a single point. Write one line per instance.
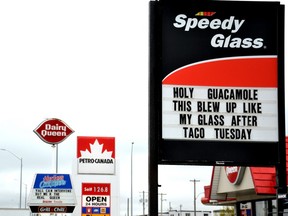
(20, 174)
(25, 204)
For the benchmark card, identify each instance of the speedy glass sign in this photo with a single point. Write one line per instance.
(217, 82)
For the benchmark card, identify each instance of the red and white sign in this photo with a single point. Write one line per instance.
(96, 199)
(234, 174)
(53, 131)
(96, 155)
(203, 101)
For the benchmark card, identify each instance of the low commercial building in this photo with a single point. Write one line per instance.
(250, 190)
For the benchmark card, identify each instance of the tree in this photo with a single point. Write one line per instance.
(227, 211)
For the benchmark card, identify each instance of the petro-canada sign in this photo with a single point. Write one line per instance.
(53, 131)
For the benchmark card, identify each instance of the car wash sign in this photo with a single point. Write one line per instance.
(96, 199)
(52, 193)
(96, 155)
(220, 76)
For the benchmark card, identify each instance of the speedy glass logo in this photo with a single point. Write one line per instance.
(231, 25)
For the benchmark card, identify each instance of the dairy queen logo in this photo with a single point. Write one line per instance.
(234, 174)
(53, 131)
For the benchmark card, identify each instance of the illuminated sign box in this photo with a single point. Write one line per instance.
(217, 82)
(225, 108)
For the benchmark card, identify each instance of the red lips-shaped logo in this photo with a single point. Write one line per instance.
(234, 174)
(53, 131)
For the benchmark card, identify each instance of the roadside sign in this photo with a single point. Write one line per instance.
(217, 82)
(52, 193)
(53, 131)
(96, 199)
(96, 155)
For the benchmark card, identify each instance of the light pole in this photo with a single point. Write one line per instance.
(132, 179)
(25, 204)
(194, 180)
(21, 165)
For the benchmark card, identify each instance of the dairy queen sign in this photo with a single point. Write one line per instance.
(53, 131)
(234, 174)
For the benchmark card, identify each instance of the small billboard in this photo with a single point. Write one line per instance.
(52, 193)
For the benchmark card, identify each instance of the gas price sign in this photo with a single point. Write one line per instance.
(96, 199)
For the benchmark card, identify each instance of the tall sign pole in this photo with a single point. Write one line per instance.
(154, 93)
(281, 165)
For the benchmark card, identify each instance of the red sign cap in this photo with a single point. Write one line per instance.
(53, 131)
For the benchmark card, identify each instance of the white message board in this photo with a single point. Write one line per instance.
(203, 101)
(209, 113)
(52, 190)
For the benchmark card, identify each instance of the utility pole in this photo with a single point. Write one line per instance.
(161, 199)
(143, 201)
(194, 180)
(128, 207)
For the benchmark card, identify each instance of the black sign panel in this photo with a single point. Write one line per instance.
(216, 82)
(52, 209)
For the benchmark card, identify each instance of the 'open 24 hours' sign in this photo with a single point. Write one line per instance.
(219, 80)
(96, 199)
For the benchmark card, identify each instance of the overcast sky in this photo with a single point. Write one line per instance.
(86, 63)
